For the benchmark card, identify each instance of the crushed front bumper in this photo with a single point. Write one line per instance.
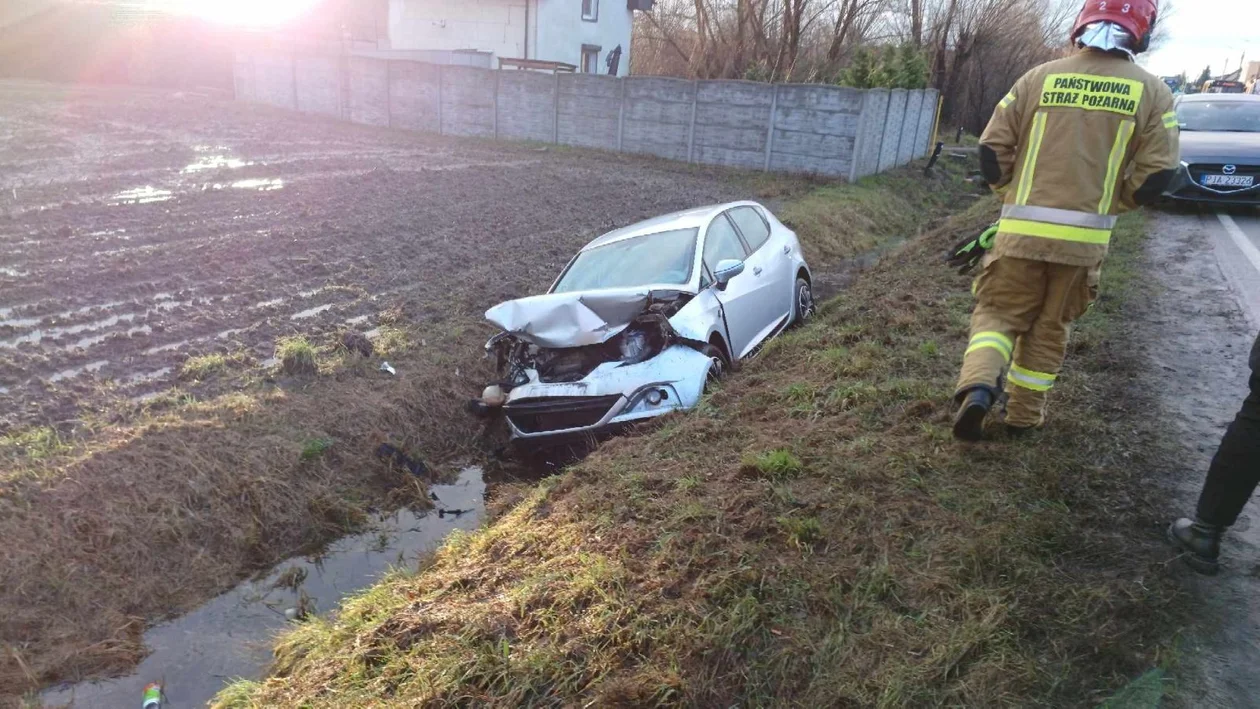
(611, 396)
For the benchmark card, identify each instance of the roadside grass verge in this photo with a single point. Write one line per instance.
(129, 516)
(812, 536)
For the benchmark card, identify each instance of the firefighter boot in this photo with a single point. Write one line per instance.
(1200, 541)
(973, 406)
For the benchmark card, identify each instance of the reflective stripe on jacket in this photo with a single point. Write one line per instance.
(1075, 139)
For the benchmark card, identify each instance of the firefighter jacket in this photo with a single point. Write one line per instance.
(1076, 142)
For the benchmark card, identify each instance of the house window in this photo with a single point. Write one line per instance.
(590, 59)
(590, 10)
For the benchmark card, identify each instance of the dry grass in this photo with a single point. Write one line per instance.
(811, 536)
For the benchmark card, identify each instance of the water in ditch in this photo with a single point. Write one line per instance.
(230, 637)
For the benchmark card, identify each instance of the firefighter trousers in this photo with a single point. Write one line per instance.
(1020, 328)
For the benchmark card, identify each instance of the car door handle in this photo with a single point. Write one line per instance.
(787, 249)
(756, 270)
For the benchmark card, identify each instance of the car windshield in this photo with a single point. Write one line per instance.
(1227, 116)
(663, 258)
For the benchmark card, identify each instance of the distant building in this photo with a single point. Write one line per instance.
(1251, 77)
(578, 33)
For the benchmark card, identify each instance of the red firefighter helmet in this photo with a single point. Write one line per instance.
(1136, 16)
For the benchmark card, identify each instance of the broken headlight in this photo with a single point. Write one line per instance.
(636, 345)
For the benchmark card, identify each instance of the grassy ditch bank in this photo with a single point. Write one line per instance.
(144, 511)
(812, 536)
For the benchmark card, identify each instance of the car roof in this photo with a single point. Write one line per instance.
(1195, 98)
(694, 218)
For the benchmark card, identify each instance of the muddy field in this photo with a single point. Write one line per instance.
(139, 229)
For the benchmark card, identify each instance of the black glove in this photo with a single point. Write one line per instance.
(968, 253)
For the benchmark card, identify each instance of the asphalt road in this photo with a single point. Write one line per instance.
(1198, 331)
(1237, 246)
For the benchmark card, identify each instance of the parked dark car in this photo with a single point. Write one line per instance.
(1220, 149)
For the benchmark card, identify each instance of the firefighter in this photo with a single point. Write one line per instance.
(1231, 481)
(1076, 142)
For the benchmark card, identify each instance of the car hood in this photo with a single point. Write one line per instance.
(1211, 146)
(577, 319)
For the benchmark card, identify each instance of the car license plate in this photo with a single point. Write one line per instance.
(1229, 180)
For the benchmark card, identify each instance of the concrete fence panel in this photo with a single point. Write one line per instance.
(806, 128)
(369, 91)
(318, 79)
(415, 92)
(892, 129)
(870, 138)
(906, 148)
(814, 129)
(526, 106)
(468, 101)
(273, 80)
(732, 125)
(927, 121)
(657, 115)
(588, 110)
(243, 78)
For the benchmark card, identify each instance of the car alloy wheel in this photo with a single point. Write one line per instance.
(804, 305)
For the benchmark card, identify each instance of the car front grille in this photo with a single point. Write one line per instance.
(544, 415)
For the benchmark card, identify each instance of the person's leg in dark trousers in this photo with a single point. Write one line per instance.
(1232, 479)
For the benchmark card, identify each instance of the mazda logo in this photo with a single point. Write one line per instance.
(1230, 169)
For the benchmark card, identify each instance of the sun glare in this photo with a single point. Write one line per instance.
(247, 13)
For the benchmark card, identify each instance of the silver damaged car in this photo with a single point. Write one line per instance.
(642, 318)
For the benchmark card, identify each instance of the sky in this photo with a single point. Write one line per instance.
(1207, 32)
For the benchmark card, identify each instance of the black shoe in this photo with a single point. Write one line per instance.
(1200, 541)
(974, 407)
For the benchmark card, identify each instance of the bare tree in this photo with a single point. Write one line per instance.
(975, 49)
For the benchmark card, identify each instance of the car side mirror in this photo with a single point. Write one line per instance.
(726, 270)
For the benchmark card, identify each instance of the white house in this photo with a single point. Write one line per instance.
(582, 33)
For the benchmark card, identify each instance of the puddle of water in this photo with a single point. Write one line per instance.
(141, 377)
(72, 373)
(214, 162)
(228, 333)
(268, 303)
(13, 272)
(358, 320)
(18, 322)
(310, 312)
(141, 195)
(167, 348)
(269, 362)
(87, 342)
(373, 333)
(261, 184)
(230, 637)
(309, 293)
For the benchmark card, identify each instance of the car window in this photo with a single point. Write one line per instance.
(721, 243)
(663, 258)
(1228, 116)
(752, 225)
